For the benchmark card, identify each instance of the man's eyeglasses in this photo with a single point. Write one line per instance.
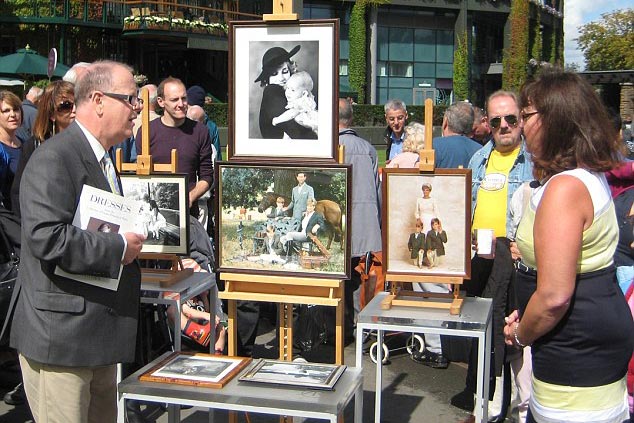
(132, 99)
(497, 121)
(65, 106)
(527, 115)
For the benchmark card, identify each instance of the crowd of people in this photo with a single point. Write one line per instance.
(550, 179)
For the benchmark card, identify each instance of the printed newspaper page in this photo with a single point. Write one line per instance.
(103, 211)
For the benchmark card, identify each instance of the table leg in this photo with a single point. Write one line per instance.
(339, 330)
(358, 404)
(232, 348)
(379, 376)
(285, 330)
(177, 325)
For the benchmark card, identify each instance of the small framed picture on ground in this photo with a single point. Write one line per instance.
(283, 220)
(303, 375)
(283, 85)
(165, 210)
(427, 222)
(181, 368)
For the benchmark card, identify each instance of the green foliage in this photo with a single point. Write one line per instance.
(607, 43)
(461, 68)
(536, 49)
(357, 59)
(516, 56)
(242, 186)
(218, 112)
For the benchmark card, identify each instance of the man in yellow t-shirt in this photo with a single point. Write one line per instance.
(498, 169)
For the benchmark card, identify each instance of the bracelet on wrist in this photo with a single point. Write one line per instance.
(517, 340)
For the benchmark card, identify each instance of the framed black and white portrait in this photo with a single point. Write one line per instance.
(164, 215)
(283, 85)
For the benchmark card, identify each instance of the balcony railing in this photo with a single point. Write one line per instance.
(119, 12)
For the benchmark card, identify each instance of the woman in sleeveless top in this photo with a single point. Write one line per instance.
(570, 307)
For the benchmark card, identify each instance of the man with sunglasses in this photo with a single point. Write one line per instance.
(455, 148)
(498, 170)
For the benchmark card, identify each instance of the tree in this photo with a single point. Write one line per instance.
(607, 43)
(516, 56)
(461, 68)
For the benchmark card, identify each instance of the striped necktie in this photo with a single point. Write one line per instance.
(108, 170)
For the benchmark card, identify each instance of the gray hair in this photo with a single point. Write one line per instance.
(345, 112)
(414, 137)
(196, 113)
(152, 92)
(460, 118)
(395, 104)
(97, 77)
(71, 74)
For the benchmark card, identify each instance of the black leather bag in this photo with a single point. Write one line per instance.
(9, 264)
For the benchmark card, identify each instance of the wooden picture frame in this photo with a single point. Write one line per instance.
(168, 231)
(246, 197)
(196, 369)
(303, 375)
(310, 49)
(451, 194)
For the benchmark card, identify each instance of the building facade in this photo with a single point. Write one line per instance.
(410, 43)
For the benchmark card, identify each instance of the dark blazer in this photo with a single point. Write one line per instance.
(315, 219)
(415, 244)
(436, 242)
(60, 321)
(275, 212)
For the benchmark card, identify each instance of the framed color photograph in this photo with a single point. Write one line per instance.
(303, 375)
(427, 222)
(212, 371)
(283, 85)
(283, 219)
(165, 211)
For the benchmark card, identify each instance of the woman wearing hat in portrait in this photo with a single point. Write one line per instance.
(277, 68)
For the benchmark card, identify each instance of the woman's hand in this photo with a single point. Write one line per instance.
(509, 329)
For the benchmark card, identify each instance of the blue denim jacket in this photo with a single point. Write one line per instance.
(522, 171)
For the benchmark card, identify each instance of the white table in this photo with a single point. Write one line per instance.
(152, 293)
(474, 321)
(252, 397)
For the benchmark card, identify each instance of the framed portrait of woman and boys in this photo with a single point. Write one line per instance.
(283, 83)
(427, 222)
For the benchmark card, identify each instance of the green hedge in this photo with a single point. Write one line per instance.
(364, 114)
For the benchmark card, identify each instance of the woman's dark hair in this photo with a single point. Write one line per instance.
(575, 127)
(52, 95)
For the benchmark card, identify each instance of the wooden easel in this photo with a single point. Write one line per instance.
(451, 301)
(144, 166)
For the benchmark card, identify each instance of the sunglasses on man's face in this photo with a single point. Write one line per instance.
(511, 120)
(65, 106)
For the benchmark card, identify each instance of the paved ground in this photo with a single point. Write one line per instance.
(411, 392)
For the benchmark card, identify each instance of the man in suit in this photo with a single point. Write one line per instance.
(70, 335)
(299, 196)
(278, 211)
(312, 223)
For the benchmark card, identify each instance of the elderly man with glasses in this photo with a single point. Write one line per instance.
(396, 119)
(499, 169)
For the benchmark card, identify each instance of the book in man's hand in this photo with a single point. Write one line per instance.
(103, 211)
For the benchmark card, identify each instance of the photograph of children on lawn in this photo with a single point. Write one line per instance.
(428, 222)
(291, 220)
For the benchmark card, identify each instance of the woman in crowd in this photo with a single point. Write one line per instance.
(10, 146)
(277, 68)
(413, 143)
(56, 110)
(571, 309)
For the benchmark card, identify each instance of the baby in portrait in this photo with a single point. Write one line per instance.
(301, 103)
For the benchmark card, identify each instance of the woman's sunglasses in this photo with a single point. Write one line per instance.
(65, 106)
(497, 121)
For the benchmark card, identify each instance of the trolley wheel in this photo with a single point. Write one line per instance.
(415, 343)
(373, 353)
